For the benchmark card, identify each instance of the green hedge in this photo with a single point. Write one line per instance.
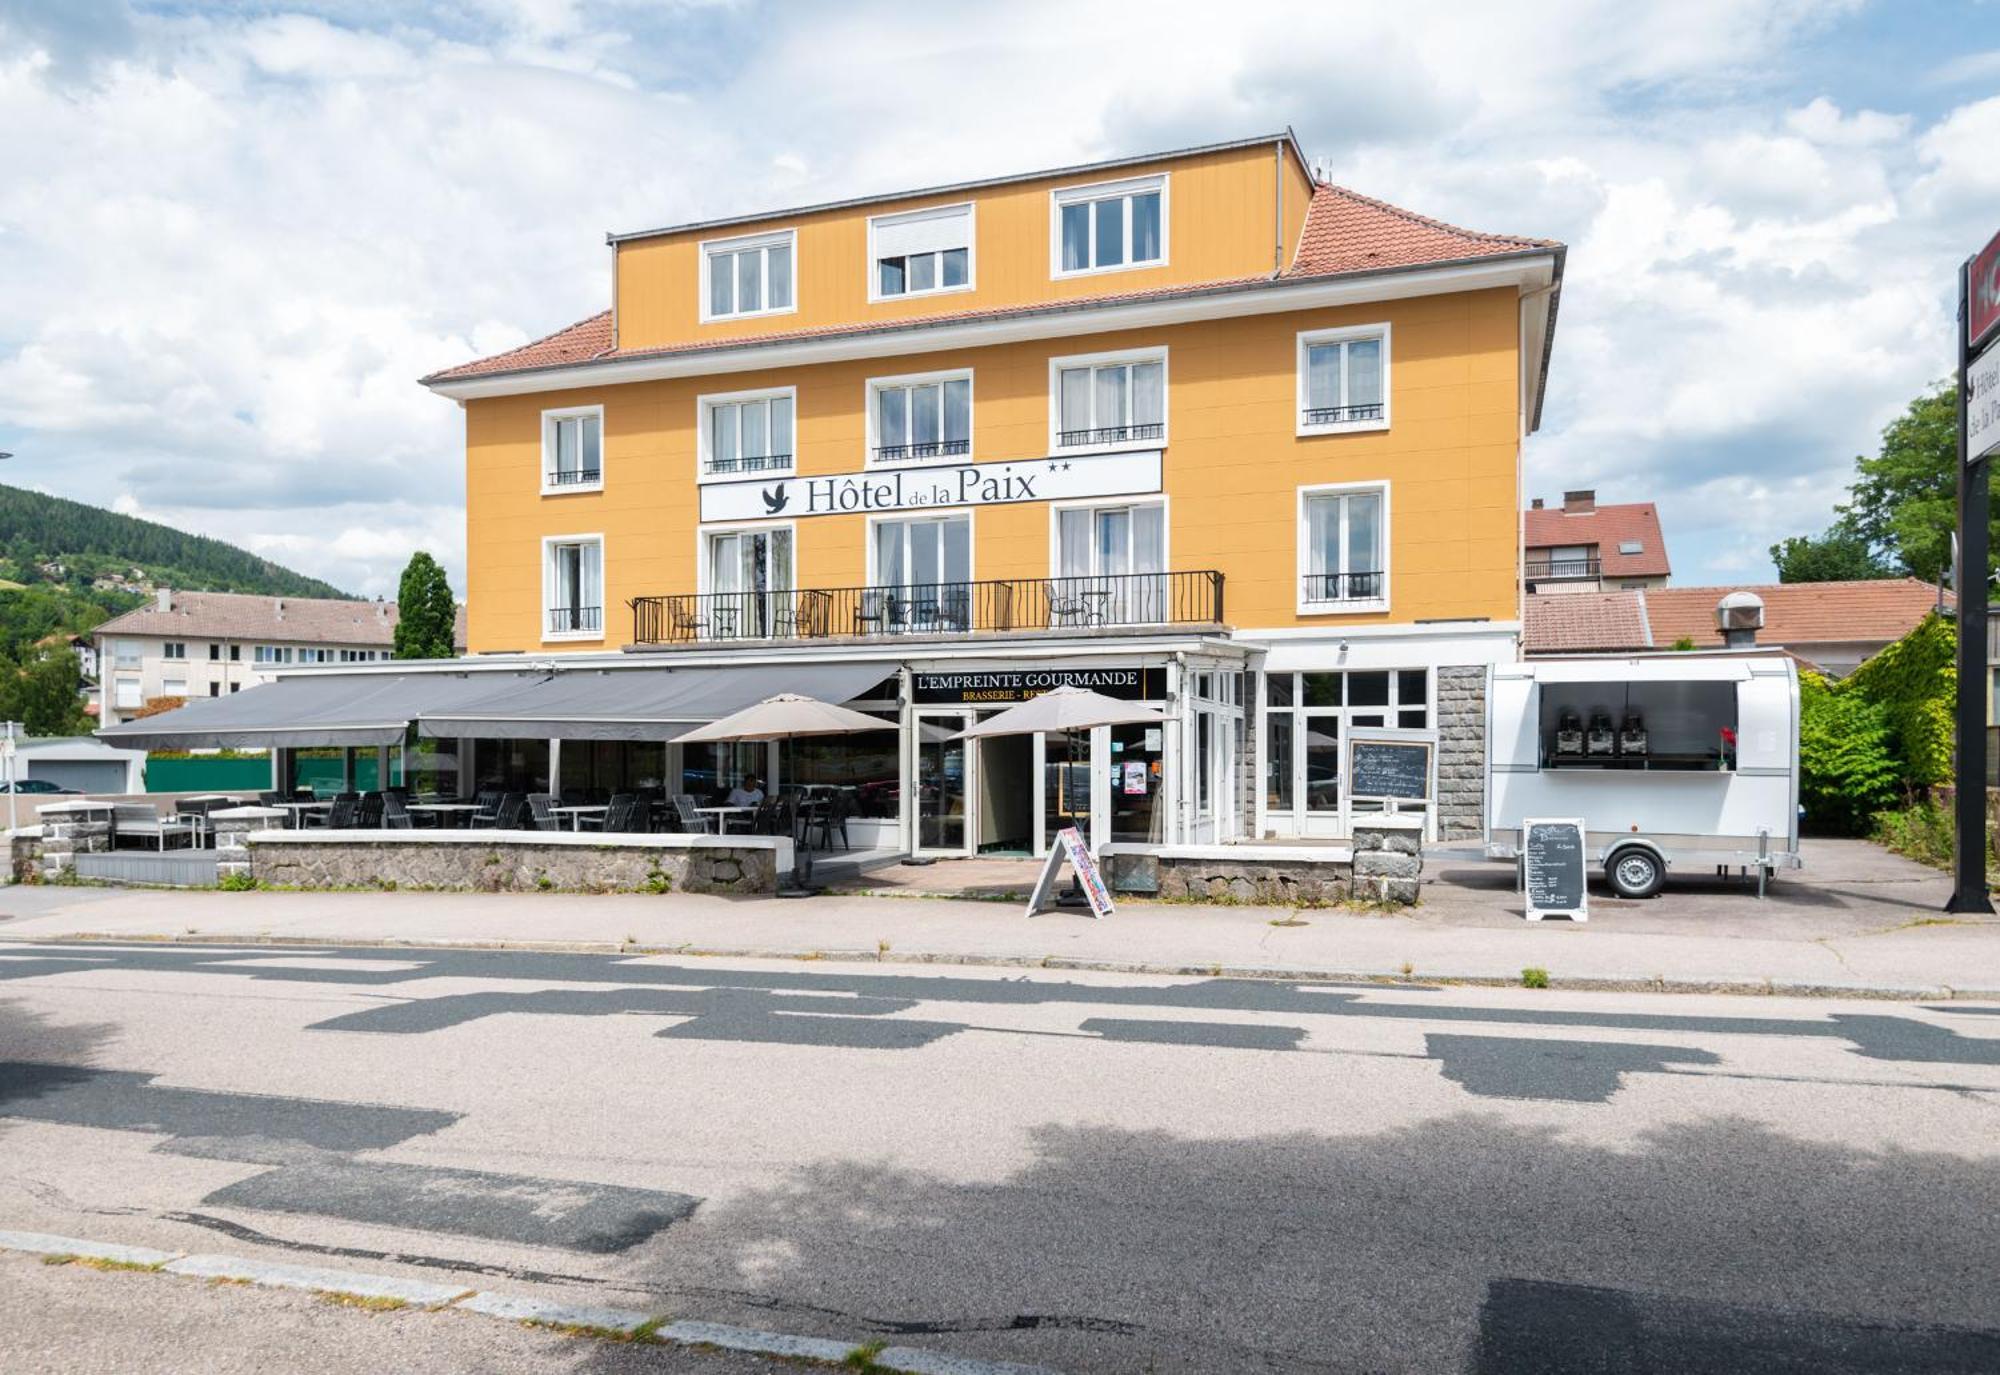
(1883, 731)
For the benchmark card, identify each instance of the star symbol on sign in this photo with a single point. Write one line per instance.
(1065, 466)
(1052, 465)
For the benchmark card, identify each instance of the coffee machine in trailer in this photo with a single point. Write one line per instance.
(1670, 760)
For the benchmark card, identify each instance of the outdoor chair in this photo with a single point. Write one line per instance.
(396, 813)
(687, 625)
(834, 818)
(538, 808)
(603, 823)
(1066, 607)
(488, 803)
(142, 821)
(690, 819)
(512, 810)
(368, 812)
(627, 814)
(339, 817)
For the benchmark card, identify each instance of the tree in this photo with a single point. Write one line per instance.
(1842, 554)
(427, 617)
(1905, 501)
(42, 694)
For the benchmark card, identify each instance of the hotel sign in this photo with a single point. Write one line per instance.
(1019, 684)
(921, 488)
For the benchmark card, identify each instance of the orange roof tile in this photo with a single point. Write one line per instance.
(1349, 232)
(1578, 622)
(1799, 613)
(1608, 528)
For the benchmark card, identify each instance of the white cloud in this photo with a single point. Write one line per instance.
(230, 242)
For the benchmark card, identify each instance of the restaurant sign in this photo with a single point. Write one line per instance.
(1005, 685)
(920, 488)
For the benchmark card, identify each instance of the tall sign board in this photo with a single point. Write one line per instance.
(1554, 869)
(1978, 440)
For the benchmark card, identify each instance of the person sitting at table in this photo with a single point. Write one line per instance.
(748, 793)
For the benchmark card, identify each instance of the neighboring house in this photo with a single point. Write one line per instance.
(1583, 547)
(1168, 422)
(1831, 625)
(210, 644)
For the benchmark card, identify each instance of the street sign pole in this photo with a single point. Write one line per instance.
(1969, 892)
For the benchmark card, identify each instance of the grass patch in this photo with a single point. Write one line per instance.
(367, 1303)
(657, 881)
(863, 1358)
(1293, 920)
(102, 1263)
(243, 882)
(645, 1332)
(1534, 976)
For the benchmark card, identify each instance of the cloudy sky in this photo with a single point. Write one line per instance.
(231, 236)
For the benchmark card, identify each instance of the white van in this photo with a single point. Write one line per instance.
(1673, 759)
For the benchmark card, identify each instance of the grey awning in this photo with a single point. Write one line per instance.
(638, 704)
(309, 710)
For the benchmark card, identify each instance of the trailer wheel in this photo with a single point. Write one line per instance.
(1635, 873)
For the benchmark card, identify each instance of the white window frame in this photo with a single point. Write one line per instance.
(549, 543)
(1094, 360)
(1345, 334)
(703, 578)
(871, 421)
(1324, 607)
(708, 247)
(1159, 499)
(549, 420)
(968, 514)
(124, 687)
(1107, 190)
(971, 209)
(127, 654)
(702, 441)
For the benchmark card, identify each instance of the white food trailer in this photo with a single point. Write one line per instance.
(1674, 759)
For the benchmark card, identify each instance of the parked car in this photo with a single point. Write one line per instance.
(35, 785)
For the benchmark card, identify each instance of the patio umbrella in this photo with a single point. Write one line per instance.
(787, 716)
(1065, 710)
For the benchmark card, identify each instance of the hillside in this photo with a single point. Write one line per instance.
(77, 565)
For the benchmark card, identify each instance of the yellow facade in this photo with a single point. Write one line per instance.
(1233, 466)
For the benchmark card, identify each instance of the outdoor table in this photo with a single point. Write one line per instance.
(577, 813)
(722, 815)
(448, 813)
(299, 809)
(1096, 597)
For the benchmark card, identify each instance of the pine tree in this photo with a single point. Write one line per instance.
(426, 613)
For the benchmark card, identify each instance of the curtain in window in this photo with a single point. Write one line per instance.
(1076, 386)
(721, 283)
(1146, 227)
(566, 446)
(1364, 372)
(1149, 393)
(1073, 540)
(1364, 543)
(1322, 545)
(892, 428)
(722, 453)
(1322, 376)
(1112, 393)
(1075, 237)
(1148, 598)
(749, 280)
(756, 429)
(781, 426)
(958, 411)
(924, 404)
(779, 259)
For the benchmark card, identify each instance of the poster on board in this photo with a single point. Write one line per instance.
(1069, 845)
(1555, 869)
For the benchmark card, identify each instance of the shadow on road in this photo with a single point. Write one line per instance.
(1722, 1246)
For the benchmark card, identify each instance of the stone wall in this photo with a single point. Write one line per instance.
(1461, 773)
(1388, 859)
(510, 865)
(1271, 881)
(68, 830)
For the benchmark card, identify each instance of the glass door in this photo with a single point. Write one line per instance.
(941, 784)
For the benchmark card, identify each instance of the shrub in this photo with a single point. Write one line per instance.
(1922, 831)
(240, 882)
(1534, 976)
(1846, 772)
(1914, 681)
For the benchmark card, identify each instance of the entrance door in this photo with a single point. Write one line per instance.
(942, 786)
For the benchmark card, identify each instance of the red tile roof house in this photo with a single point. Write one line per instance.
(1583, 547)
(1832, 626)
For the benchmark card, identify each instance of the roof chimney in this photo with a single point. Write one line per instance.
(163, 598)
(1577, 503)
(1739, 616)
(278, 608)
(1535, 504)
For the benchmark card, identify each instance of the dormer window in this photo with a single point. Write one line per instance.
(1109, 227)
(748, 276)
(920, 253)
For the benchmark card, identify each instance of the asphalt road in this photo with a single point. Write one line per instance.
(1084, 1172)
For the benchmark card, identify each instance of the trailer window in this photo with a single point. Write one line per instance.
(1687, 726)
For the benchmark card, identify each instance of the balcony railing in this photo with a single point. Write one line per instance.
(1341, 415)
(933, 448)
(576, 477)
(956, 608)
(1553, 570)
(1112, 434)
(750, 463)
(575, 620)
(1344, 587)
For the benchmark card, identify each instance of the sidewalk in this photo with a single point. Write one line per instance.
(1861, 922)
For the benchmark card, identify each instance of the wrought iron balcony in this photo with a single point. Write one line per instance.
(1330, 588)
(1112, 434)
(934, 448)
(576, 477)
(1557, 570)
(1006, 606)
(1342, 415)
(575, 620)
(750, 463)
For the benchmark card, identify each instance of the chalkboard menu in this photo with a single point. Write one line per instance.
(1389, 768)
(1554, 868)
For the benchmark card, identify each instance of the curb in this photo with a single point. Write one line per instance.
(616, 1324)
(1733, 985)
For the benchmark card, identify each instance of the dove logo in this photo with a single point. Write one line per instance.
(776, 499)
